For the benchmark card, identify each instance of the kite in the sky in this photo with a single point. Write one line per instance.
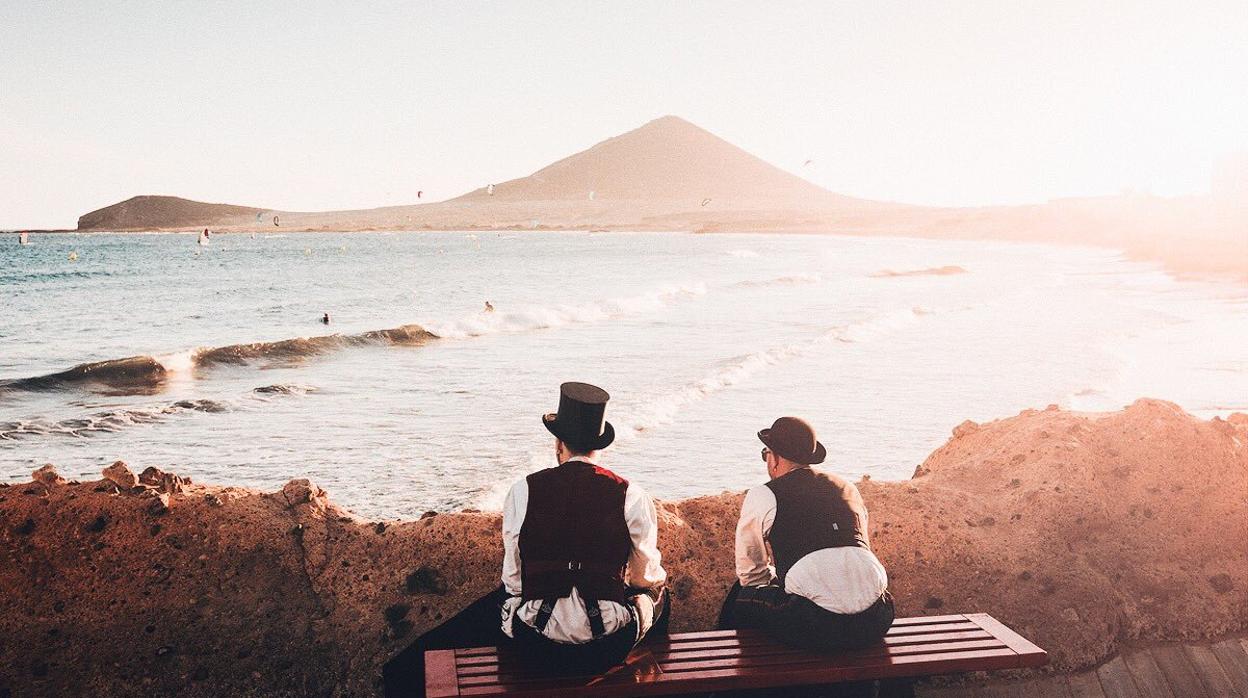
(419, 194)
(808, 162)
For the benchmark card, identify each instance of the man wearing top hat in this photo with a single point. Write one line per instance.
(580, 559)
(582, 578)
(805, 570)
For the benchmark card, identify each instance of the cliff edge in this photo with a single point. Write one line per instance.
(1082, 531)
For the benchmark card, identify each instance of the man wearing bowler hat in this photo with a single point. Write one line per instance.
(580, 559)
(582, 579)
(805, 570)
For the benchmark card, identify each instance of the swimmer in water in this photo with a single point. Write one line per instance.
(489, 308)
(325, 319)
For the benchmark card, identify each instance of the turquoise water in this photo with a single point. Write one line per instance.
(701, 340)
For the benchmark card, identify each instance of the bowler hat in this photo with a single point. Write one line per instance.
(580, 422)
(793, 438)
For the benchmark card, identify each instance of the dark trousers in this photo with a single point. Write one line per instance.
(798, 621)
(480, 625)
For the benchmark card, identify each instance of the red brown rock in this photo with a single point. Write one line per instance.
(120, 475)
(161, 480)
(48, 476)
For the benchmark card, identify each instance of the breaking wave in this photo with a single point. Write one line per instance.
(145, 374)
(134, 371)
(284, 390)
(545, 317)
(104, 422)
(405, 335)
(114, 420)
(664, 408)
(136, 374)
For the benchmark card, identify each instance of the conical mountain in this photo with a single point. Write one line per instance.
(668, 173)
(666, 160)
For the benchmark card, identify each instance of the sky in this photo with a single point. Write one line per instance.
(331, 105)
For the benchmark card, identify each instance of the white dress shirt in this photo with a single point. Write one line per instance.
(569, 623)
(841, 580)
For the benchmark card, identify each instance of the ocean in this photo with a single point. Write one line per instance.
(212, 361)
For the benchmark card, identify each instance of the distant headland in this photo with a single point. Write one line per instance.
(670, 175)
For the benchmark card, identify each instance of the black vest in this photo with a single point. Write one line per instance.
(575, 534)
(814, 511)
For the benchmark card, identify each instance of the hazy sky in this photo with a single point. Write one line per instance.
(305, 106)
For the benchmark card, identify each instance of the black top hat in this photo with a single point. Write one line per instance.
(793, 438)
(580, 422)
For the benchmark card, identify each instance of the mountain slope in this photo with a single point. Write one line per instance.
(666, 160)
(668, 169)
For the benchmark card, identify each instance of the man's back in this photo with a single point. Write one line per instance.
(814, 511)
(575, 533)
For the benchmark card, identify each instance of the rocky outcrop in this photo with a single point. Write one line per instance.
(153, 212)
(1082, 531)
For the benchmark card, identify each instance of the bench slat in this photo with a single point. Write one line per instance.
(1016, 642)
(478, 665)
(925, 620)
(898, 624)
(766, 677)
(738, 660)
(440, 674)
(726, 660)
(938, 624)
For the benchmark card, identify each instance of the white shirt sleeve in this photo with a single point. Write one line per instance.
(758, 512)
(645, 569)
(514, 508)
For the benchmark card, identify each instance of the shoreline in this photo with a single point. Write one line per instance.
(1179, 263)
(1083, 531)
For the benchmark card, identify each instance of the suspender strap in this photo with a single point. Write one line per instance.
(543, 614)
(594, 612)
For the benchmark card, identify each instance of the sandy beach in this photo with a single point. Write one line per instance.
(1082, 531)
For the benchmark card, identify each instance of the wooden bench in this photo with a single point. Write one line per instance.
(733, 660)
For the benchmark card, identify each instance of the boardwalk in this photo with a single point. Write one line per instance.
(1209, 670)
